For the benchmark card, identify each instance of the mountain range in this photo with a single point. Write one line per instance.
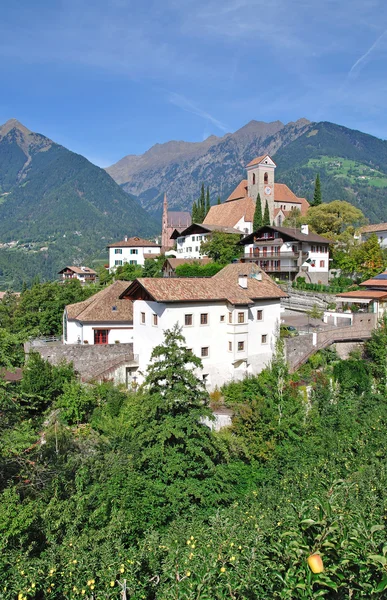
(352, 165)
(56, 207)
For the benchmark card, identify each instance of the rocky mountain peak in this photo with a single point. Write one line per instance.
(13, 124)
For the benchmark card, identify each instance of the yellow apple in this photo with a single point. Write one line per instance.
(315, 563)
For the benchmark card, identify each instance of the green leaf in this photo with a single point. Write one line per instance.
(378, 558)
(382, 585)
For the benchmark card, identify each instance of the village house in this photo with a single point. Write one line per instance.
(380, 230)
(101, 319)
(83, 274)
(238, 210)
(371, 299)
(132, 251)
(231, 320)
(287, 253)
(189, 241)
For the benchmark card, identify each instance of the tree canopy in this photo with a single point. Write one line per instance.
(332, 218)
(222, 247)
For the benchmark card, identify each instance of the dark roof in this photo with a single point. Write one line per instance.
(103, 307)
(200, 228)
(134, 242)
(224, 286)
(294, 234)
(79, 270)
(15, 375)
(178, 219)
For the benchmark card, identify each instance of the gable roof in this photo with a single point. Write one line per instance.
(259, 159)
(284, 194)
(364, 294)
(239, 192)
(99, 307)
(134, 242)
(201, 228)
(178, 219)
(223, 286)
(294, 234)
(176, 262)
(79, 270)
(379, 280)
(230, 213)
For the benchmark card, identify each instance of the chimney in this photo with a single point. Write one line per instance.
(305, 229)
(126, 238)
(242, 280)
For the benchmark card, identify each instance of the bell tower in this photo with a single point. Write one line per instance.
(260, 180)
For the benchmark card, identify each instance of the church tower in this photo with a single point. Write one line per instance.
(165, 242)
(260, 179)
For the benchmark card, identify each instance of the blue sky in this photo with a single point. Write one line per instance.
(110, 78)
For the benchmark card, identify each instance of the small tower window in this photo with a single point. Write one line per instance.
(266, 178)
(253, 178)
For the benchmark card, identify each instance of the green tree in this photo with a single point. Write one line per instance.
(317, 196)
(219, 200)
(222, 247)
(194, 213)
(128, 272)
(266, 215)
(258, 221)
(201, 210)
(208, 201)
(294, 219)
(334, 217)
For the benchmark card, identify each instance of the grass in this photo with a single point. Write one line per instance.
(351, 170)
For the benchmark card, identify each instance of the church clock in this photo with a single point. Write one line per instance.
(268, 190)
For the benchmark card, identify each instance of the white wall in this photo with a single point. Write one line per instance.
(79, 333)
(381, 235)
(221, 365)
(126, 255)
(189, 246)
(317, 253)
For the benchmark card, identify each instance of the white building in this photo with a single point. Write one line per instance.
(101, 319)
(83, 274)
(380, 230)
(132, 251)
(230, 321)
(287, 253)
(189, 241)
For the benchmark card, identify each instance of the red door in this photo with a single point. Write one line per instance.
(101, 336)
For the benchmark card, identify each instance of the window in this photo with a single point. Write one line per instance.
(204, 319)
(132, 262)
(196, 248)
(118, 263)
(193, 238)
(312, 263)
(187, 320)
(101, 336)
(189, 249)
(241, 317)
(241, 346)
(118, 251)
(204, 351)
(264, 339)
(322, 263)
(155, 320)
(230, 317)
(205, 378)
(143, 318)
(222, 318)
(259, 315)
(266, 178)
(253, 178)
(313, 248)
(230, 346)
(133, 251)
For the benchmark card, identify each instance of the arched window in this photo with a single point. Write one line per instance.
(279, 220)
(266, 178)
(253, 178)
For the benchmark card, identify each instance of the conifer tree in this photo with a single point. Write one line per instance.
(219, 200)
(266, 215)
(257, 221)
(317, 196)
(194, 213)
(201, 206)
(208, 201)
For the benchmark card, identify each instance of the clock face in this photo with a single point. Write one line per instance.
(268, 190)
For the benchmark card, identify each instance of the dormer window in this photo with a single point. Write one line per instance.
(114, 308)
(266, 178)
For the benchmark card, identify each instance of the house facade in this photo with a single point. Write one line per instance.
(287, 253)
(189, 241)
(380, 230)
(101, 319)
(132, 251)
(231, 320)
(83, 274)
(238, 210)
(372, 298)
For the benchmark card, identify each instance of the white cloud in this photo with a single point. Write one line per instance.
(187, 105)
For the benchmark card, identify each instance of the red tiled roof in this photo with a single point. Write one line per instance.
(374, 228)
(223, 286)
(134, 242)
(366, 294)
(103, 307)
(258, 160)
(230, 213)
(79, 270)
(239, 192)
(284, 194)
(151, 255)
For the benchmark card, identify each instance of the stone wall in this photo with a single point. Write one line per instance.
(88, 361)
(302, 300)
